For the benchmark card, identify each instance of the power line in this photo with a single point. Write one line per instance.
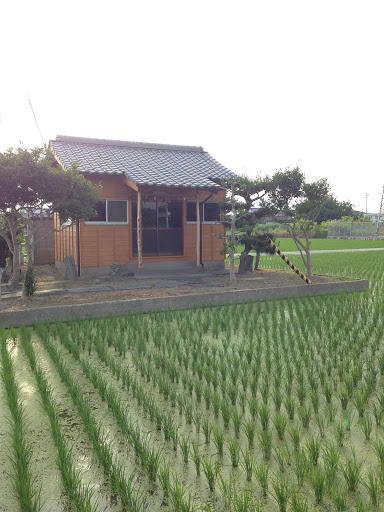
(34, 116)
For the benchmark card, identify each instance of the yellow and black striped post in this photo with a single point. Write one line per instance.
(283, 257)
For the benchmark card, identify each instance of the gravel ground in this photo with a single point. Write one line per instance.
(49, 278)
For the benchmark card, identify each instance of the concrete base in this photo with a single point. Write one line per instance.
(120, 307)
(153, 268)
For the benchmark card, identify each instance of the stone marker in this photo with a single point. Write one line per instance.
(70, 269)
(115, 271)
(1, 276)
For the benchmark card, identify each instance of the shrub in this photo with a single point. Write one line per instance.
(30, 282)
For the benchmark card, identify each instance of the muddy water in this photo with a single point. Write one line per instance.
(83, 455)
(185, 471)
(8, 502)
(123, 451)
(38, 433)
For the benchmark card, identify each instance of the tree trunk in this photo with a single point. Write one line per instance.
(257, 260)
(15, 279)
(309, 263)
(232, 275)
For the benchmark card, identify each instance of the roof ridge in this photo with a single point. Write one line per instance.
(128, 144)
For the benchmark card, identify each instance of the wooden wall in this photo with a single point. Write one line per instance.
(102, 245)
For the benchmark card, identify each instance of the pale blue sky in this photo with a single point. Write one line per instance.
(260, 85)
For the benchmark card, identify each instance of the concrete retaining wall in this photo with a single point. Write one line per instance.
(100, 309)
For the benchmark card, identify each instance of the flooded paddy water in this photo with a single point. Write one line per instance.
(266, 406)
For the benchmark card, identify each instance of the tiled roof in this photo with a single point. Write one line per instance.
(142, 163)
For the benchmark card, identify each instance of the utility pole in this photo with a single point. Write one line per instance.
(366, 203)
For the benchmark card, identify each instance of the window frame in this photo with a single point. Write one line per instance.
(106, 222)
(203, 212)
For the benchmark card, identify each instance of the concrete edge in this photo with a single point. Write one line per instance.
(120, 307)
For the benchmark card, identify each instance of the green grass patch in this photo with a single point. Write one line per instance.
(325, 244)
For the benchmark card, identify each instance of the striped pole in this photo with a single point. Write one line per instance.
(283, 257)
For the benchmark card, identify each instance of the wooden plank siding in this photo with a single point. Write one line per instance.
(104, 244)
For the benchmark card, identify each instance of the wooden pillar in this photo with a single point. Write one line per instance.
(139, 231)
(197, 230)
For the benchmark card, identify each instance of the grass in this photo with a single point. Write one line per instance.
(325, 244)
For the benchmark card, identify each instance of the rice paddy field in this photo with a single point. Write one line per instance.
(273, 406)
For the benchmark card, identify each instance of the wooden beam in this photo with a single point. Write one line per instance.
(139, 231)
(197, 230)
(131, 184)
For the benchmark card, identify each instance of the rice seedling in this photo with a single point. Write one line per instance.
(331, 411)
(313, 450)
(295, 433)
(315, 399)
(207, 429)
(322, 424)
(331, 456)
(177, 492)
(184, 444)
(281, 493)
(317, 479)
(366, 426)
(175, 437)
(225, 412)
(339, 498)
(226, 488)
(196, 457)
(301, 393)
(373, 487)
(216, 404)
(349, 414)
(360, 506)
(211, 470)
(301, 466)
(197, 417)
(339, 433)
(164, 476)
(264, 415)
(151, 460)
(247, 464)
(378, 447)
(298, 503)
(352, 471)
(234, 451)
(253, 407)
(344, 397)
(265, 442)
(360, 402)
(282, 457)
(242, 501)
(218, 439)
(262, 476)
(305, 415)
(290, 406)
(280, 422)
(237, 421)
(188, 412)
(377, 412)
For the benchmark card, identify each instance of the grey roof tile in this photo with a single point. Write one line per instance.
(143, 163)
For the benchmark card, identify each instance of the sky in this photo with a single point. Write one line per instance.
(261, 85)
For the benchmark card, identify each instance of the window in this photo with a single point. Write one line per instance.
(210, 212)
(110, 211)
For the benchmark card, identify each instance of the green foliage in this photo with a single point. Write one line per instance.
(30, 282)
